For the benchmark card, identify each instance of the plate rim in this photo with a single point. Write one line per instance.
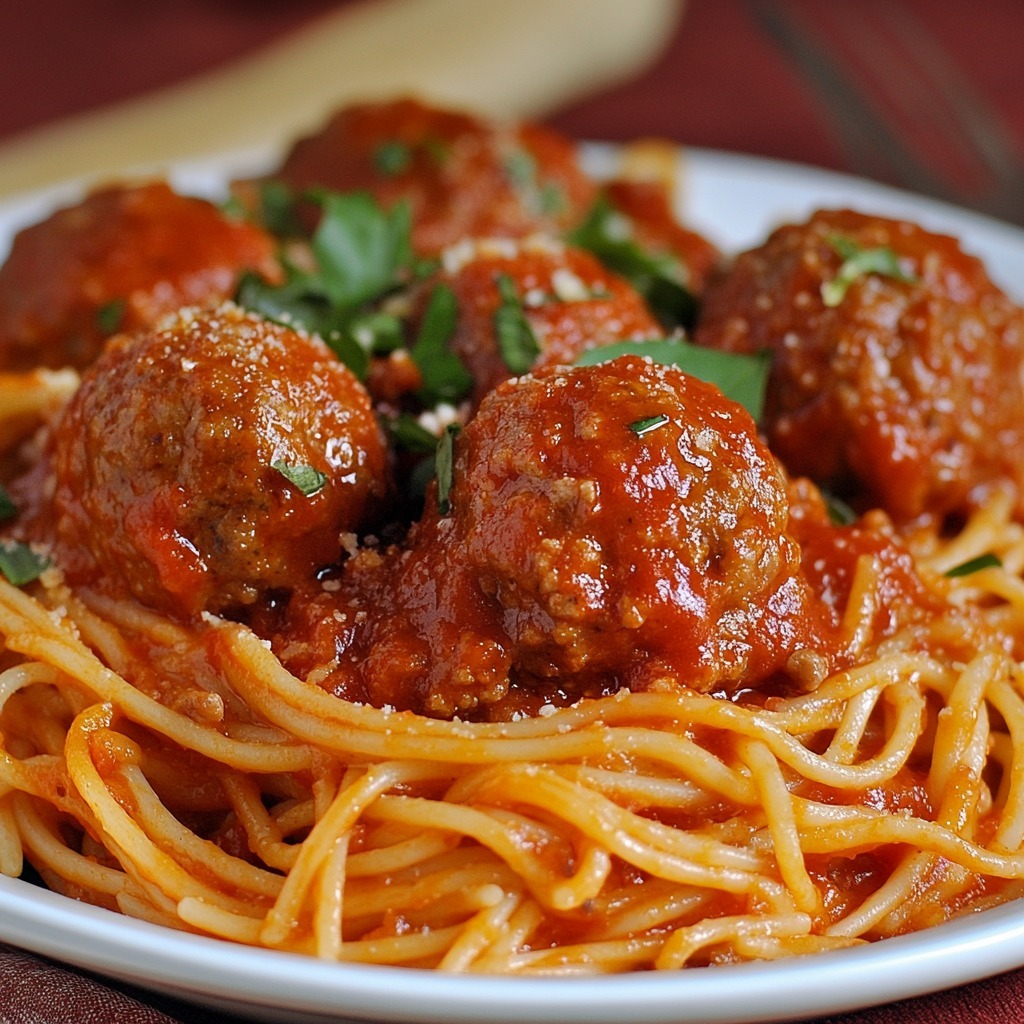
(195, 967)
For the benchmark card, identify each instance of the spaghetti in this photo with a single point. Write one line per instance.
(187, 769)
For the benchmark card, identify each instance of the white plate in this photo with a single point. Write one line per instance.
(735, 201)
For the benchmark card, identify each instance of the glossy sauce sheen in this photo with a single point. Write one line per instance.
(165, 462)
(119, 260)
(907, 394)
(579, 554)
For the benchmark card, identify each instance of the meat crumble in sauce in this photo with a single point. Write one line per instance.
(900, 389)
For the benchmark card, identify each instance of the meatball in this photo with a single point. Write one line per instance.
(120, 259)
(624, 513)
(564, 300)
(186, 464)
(609, 526)
(900, 387)
(462, 176)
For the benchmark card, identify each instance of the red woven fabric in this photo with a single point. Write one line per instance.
(34, 990)
(924, 94)
(38, 991)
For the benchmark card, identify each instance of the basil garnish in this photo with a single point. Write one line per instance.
(741, 378)
(307, 479)
(658, 277)
(857, 263)
(516, 341)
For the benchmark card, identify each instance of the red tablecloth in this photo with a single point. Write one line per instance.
(925, 94)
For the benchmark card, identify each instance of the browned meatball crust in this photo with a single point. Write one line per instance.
(119, 260)
(906, 391)
(626, 512)
(611, 526)
(567, 300)
(175, 460)
(461, 175)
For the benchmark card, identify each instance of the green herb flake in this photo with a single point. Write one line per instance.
(409, 434)
(972, 565)
(362, 253)
(659, 277)
(858, 263)
(8, 510)
(437, 149)
(377, 333)
(444, 377)
(516, 341)
(521, 169)
(348, 350)
(741, 378)
(552, 200)
(444, 463)
(234, 209)
(19, 564)
(110, 316)
(392, 158)
(647, 424)
(546, 198)
(839, 513)
(360, 248)
(307, 479)
(278, 210)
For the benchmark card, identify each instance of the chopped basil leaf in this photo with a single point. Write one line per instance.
(552, 199)
(360, 248)
(8, 510)
(110, 316)
(516, 341)
(408, 433)
(444, 462)
(858, 263)
(348, 350)
(839, 513)
(362, 253)
(672, 304)
(278, 210)
(659, 277)
(234, 209)
(20, 564)
(741, 378)
(521, 169)
(392, 157)
(377, 333)
(444, 377)
(437, 149)
(544, 198)
(299, 302)
(986, 561)
(649, 423)
(307, 479)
